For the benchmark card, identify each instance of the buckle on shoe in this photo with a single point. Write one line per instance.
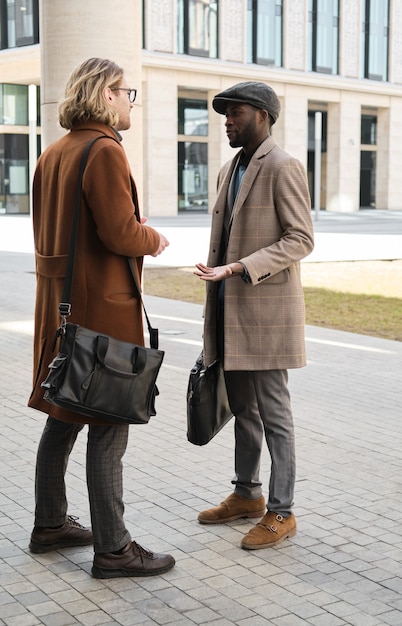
(273, 528)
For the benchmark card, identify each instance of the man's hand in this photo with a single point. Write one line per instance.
(163, 243)
(220, 272)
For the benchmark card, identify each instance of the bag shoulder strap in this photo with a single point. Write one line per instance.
(153, 332)
(65, 304)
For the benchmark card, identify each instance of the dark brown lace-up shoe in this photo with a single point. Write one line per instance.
(134, 561)
(70, 534)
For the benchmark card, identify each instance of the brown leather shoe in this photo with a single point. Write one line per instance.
(70, 534)
(271, 530)
(134, 561)
(234, 507)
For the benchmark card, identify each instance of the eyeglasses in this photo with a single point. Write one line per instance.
(132, 93)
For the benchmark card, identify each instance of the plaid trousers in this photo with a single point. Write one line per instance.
(106, 446)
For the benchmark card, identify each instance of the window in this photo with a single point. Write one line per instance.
(311, 130)
(264, 32)
(19, 23)
(323, 36)
(193, 154)
(193, 117)
(368, 164)
(14, 148)
(369, 130)
(14, 185)
(375, 39)
(368, 159)
(25, 23)
(197, 27)
(14, 105)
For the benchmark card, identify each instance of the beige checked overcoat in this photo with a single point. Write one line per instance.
(271, 231)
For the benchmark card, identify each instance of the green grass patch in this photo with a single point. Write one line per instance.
(377, 316)
(373, 315)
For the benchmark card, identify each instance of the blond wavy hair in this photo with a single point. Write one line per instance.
(83, 97)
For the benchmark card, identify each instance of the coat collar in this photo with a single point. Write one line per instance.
(264, 147)
(98, 127)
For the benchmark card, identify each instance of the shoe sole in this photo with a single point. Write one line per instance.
(40, 548)
(232, 518)
(101, 572)
(253, 546)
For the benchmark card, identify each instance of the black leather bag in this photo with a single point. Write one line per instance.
(207, 402)
(96, 375)
(101, 377)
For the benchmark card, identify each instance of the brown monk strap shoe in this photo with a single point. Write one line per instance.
(271, 530)
(133, 561)
(234, 507)
(70, 534)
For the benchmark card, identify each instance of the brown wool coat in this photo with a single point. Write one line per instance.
(271, 231)
(103, 295)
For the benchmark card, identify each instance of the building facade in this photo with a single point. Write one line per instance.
(336, 66)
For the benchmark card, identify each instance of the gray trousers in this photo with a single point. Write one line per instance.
(106, 446)
(260, 402)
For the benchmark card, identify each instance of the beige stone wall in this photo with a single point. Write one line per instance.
(160, 74)
(350, 33)
(395, 48)
(160, 25)
(67, 40)
(20, 65)
(295, 34)
(232, 32)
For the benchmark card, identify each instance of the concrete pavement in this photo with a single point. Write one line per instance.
(343, 567)
(367, 234)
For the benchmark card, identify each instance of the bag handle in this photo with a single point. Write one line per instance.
(65, 304)
(139, 357)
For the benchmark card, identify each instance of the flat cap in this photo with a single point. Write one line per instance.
(259, 95)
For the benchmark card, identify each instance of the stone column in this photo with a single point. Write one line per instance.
(160, 142)
(389, 156)
(291, 129)
(343, 154)
(73, 31)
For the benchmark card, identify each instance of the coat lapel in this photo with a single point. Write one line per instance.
(247, 183)
(251, 173)
(226, 188)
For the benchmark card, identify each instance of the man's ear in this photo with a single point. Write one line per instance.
(108, 95)
(265, 117)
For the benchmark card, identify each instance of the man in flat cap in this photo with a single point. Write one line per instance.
(254, 313)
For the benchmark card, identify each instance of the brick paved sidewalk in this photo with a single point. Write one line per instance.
(343, 567)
